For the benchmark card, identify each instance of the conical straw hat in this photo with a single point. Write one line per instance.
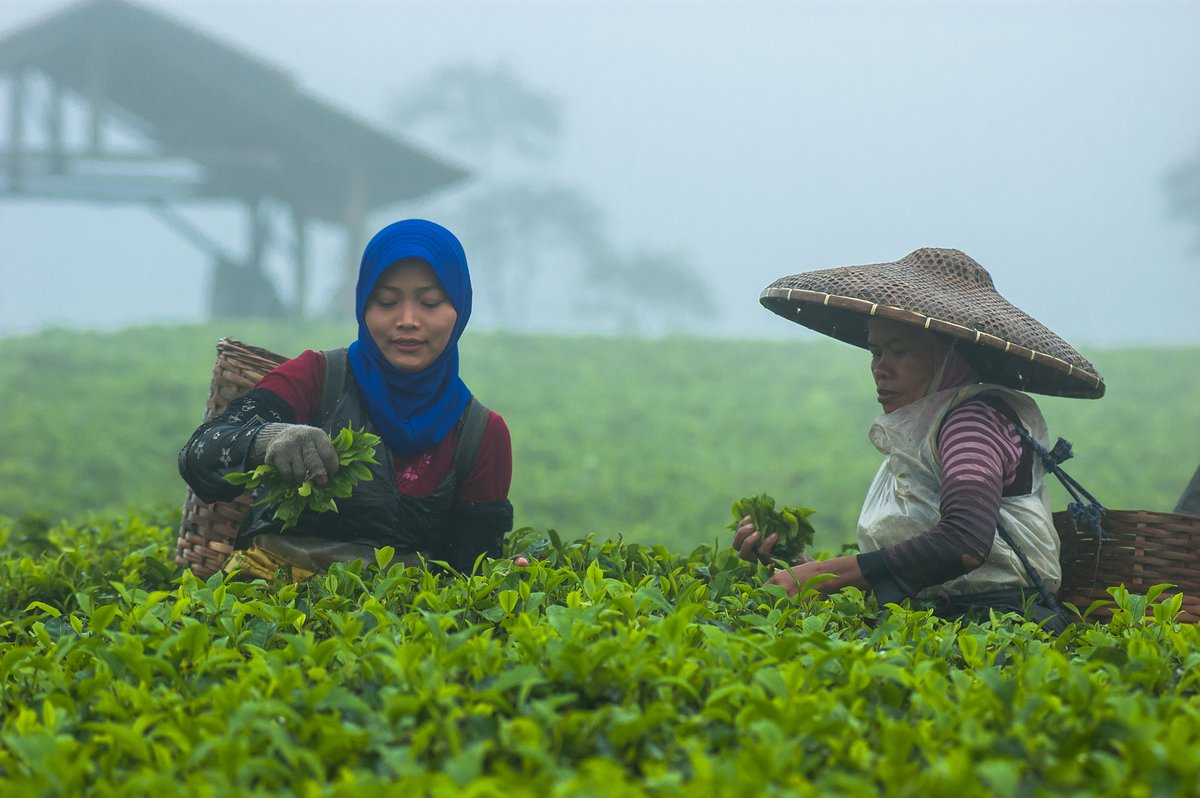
(945, 291)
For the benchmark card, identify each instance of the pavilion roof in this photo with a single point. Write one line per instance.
(249, 125)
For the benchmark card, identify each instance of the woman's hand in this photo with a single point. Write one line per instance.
(298, 452)
(746, 539)
(842, 572)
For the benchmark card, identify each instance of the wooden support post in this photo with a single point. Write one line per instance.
(356, 222)
(300, 230)
(266, 303)
(97, 89)
(54, 128)
(16, 130)
(258, 230)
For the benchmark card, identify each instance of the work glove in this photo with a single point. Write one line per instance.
(297, 451)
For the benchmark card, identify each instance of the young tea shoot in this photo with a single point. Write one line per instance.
(355, 449)
(790, 523)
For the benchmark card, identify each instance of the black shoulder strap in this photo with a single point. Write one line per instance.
(470, 435)
(1000, 406)
(1023, 484)
(1091, 511)
(335, 380)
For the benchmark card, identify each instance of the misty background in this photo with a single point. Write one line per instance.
(719, 146)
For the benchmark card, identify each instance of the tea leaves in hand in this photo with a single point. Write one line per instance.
(789, 523)
(355, 449)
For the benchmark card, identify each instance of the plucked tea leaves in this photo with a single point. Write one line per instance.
(355, 449)
(789, 523)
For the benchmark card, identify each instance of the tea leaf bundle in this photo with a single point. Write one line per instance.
(789, 523)
(355, 449)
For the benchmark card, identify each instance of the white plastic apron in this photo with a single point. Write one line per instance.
(905, 497)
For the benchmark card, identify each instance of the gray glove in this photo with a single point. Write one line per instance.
(297, 451)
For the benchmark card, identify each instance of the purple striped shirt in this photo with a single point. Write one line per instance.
(980, 453)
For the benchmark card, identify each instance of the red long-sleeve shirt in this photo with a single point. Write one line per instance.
(299, 381)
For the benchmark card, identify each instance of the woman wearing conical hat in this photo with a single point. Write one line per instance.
(958, 513)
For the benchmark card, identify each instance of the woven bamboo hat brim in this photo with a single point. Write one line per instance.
(945, 291)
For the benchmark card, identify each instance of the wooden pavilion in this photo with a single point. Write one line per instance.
(111, 102)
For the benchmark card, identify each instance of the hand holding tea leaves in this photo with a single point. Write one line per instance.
(790, 524)
(354, 448)
(297, 451)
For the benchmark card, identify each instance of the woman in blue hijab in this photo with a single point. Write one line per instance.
(440, 489)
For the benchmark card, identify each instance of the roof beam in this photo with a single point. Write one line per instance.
(198, 238)
(109, 190)
(198, 156)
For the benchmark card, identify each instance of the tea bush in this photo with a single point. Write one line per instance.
(605, 668)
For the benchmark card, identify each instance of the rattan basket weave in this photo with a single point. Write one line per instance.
(207, 531)
(1142, 549)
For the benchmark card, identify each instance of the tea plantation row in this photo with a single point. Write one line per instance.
(604, 669)
(653, 440)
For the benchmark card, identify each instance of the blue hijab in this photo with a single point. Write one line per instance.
(412, 410)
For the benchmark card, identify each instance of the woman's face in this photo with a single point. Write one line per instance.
(901, 362)
(409, 315)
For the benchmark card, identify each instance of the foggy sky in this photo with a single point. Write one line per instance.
(758, 138)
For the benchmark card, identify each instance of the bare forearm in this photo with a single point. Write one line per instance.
(830, 575)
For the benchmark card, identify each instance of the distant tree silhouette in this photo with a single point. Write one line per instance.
(484, 113)
(522, 227)
(1183, 193)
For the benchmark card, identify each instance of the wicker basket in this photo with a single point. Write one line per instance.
(1142, 549)
(207, 531)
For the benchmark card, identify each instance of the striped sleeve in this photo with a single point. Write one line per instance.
(980, 451)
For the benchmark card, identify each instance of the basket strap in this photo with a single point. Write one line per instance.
(470, 435)
(1034, 577)
(475, 421)
(335, 381)
(1090, 512)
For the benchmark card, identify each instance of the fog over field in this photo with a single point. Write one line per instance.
(748, 140)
